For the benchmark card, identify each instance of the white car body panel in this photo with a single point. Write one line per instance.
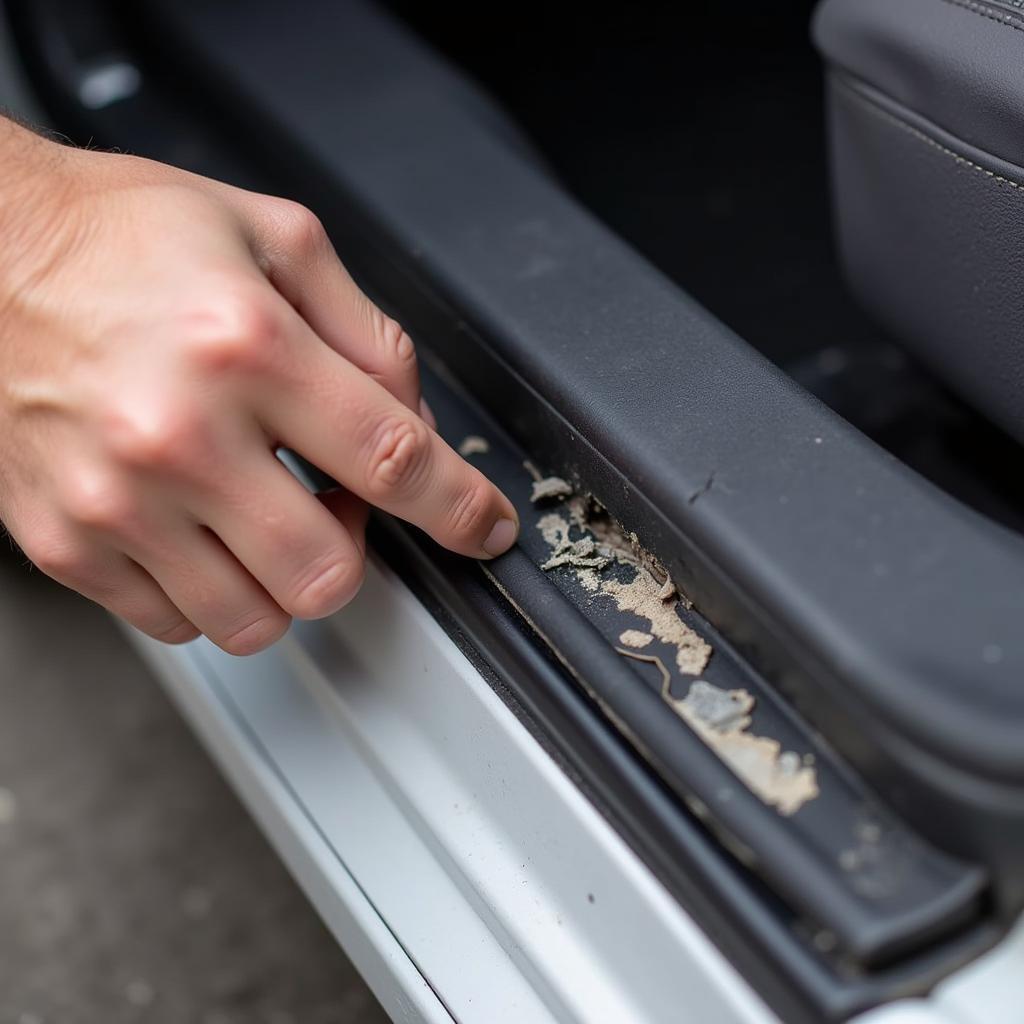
(441, 843)
(451, 856)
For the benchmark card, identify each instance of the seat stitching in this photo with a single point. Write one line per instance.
(1007, 18)
(925, 138)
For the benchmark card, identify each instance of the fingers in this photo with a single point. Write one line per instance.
(309, 562)
(287, 553)
(348, 425)
(352, 512)
(300, 261)
(211, 589)
(129, 592)
(110, 579)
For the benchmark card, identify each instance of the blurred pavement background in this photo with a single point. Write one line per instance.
(133, 885)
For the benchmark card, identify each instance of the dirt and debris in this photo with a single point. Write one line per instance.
(635, 638)
(721, 719)
(583, 554)
(721, 709)
(877, 863)
(589, 515)
(604, 542)
(473, 444)
(550, 487)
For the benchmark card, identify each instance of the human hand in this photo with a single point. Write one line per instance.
(161, 335)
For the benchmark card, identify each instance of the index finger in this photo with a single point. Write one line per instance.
(348, 425)
(299, 260)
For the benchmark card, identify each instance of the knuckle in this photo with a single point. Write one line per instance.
(98, 502)
(255, 635)
(301, 230)
(59, 556)
(236, 331)
(469, 512)
(328, 587)
(399, 455)
(156, 437)
(395, 345)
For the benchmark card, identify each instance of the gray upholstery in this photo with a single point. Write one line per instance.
(926, 119)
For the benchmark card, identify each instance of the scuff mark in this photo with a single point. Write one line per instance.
(721, 719)
(703, 489)
(473, 444)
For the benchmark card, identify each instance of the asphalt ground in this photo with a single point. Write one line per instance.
(133, 884)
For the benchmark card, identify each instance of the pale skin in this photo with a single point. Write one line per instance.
(161, 336)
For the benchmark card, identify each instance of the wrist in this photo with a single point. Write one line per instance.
(37, 184)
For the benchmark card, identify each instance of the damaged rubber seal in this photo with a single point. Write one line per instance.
(585, 540)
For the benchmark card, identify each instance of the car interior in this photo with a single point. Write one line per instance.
(744, 288)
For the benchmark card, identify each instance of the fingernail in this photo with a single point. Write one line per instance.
(427, 414)
(502, 537)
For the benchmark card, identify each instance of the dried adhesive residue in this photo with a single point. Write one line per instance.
(603, 543)
(773, 774)
(642, 597)
(635, 638)
(474, 445)
(721, 719)
(550, 487)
